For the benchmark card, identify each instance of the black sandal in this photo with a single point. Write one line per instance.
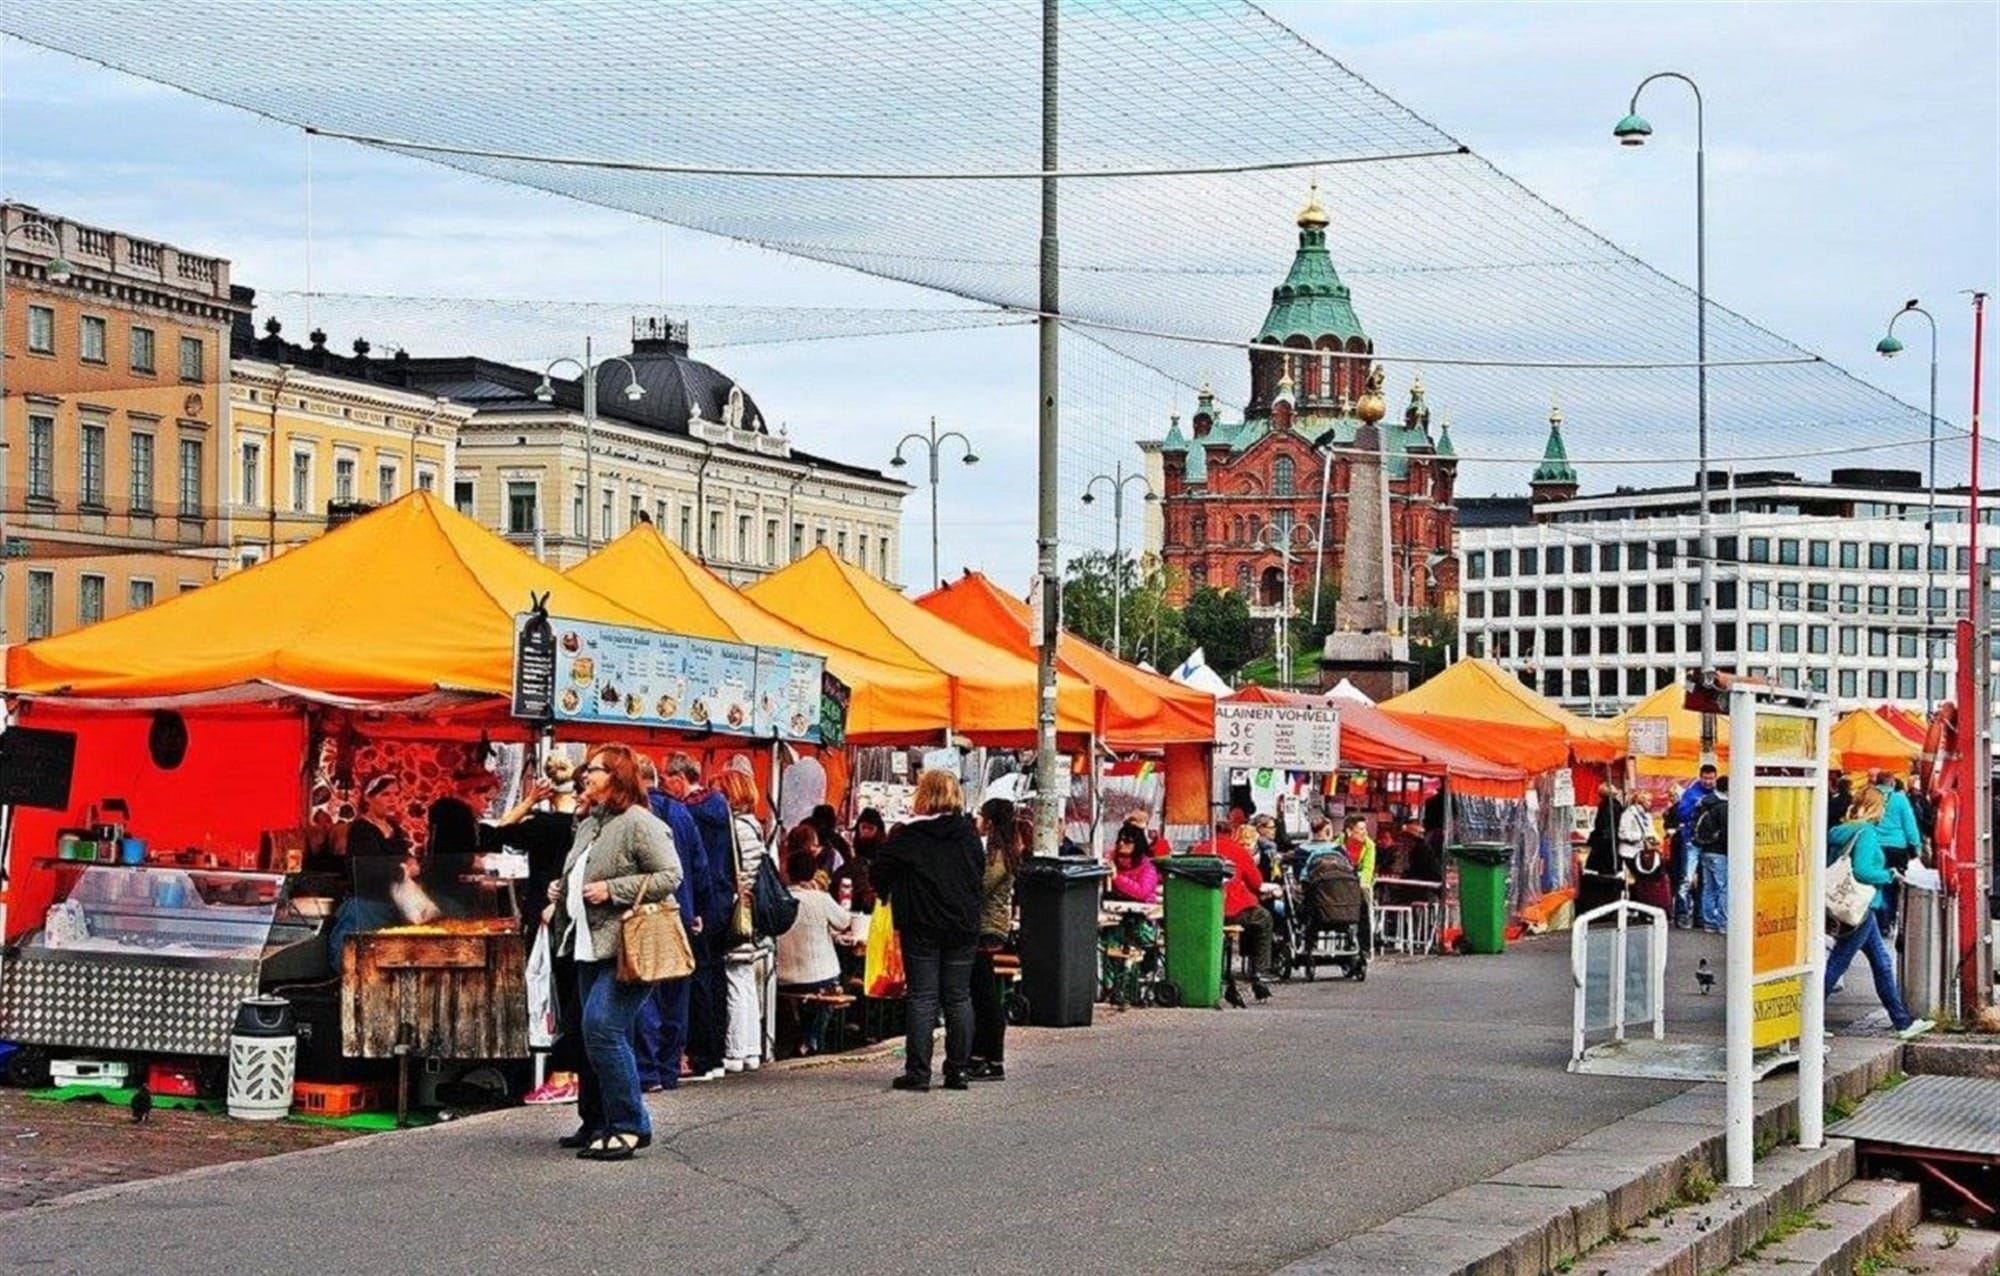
(612, 1147)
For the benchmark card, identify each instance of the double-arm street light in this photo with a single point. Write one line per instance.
(933, 443)
(587, 369)
(1117, 481)
(1889, 347)
(1633, 130)
(56, 271)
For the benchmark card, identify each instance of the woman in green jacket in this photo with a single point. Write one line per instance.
(999, 827)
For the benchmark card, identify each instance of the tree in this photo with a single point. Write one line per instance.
(1432, 632)
(1086, 594)
(1311, 634)
(1218, 621)
(1150, 624)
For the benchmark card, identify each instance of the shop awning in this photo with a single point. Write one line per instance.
(1481, 708)
(1864, 741)
(1378, 741)
(646, 572)
(1141, 710)
(411, 598)
(994, 694)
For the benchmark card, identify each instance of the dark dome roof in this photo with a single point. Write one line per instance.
(675, 384)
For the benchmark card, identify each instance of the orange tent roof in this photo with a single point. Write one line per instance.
(646, 572)
(1141, 709)
(993, 689)
(1683, 732)
(1864, 741)
(1371, 738)
(1913, 725)
(408, 599)
(1480, 707)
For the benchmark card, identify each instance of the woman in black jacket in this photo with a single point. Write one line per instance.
(931, 871)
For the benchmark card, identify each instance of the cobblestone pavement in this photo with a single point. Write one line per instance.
(52, 1149)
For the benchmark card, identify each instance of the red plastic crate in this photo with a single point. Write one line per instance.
(173, 1078)
(328, 1099)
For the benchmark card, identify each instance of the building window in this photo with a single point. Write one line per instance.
(1635, 556)
(1607, 558)
(660, 514)
(1281, 477)
(1788, 639)
(1906, 557)
(576, 499)
(1607, 639)
(1475, 645)
(743, 539)
(1725, 549)
(91, 470)
(714, 542)
(1635, 639)
(462, 496)
(41, 329)
(1579, 600)
(1552, 602)
(687, 530)
(1760, 549)
(1579, 684)
(604, 512)
(1878, 684)
(1849, 684)
(1940, 555)
(1503, 645)
(427, 479)
(1503, 563)
(90, 342)
(1530, 561)
(138, 595)
(42, 457)
(1788, 595)
(344, 468)
(1635, 682)
(1816, 678)
(1635, 598)
(1579, 641)
(637, 510)
(1475, 605)
(798, 537)
(1243, 579)
(1552, 642)
(1906, 600)
(1816, 639)
(190, 478)
(193, 360)
(523, 519)
(1198, 530)
(1816, 553)
(1906, 686)
(1906, 646)
(1878, 600)
(302, 478)
(1475, 565)
(1607, 600)
(1850, 640)
(1878, 556)
(1850, 555)
(143, 345)
(1760, 595)
(89, 599)
(839, 544)
(1725, 595)
(41, 604)
(1816, 599)
(1878, 642)
(1663, 639)
(386, 479)
(253, 467)
(1788, 552)
(141, 474)
(1663, 553)
(1937, 600)
(1527, 602)
(1503, 604)
(1607, 683)
(770, 542)
(1555, 557)
(1582, 555)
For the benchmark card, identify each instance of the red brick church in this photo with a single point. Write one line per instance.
(1230, 491)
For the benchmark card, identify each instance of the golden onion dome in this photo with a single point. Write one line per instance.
(1313, 216)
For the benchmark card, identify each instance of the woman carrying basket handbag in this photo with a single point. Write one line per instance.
(1854, 840)
(622, 854)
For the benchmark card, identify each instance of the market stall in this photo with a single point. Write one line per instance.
(1864, 741)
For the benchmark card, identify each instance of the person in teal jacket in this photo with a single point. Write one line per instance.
(1857, 838)
(1902, 841)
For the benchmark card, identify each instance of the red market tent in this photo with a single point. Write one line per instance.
(1375, 740)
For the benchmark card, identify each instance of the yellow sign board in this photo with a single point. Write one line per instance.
(1778, 1012)
(1783, 824)
(1783, 738)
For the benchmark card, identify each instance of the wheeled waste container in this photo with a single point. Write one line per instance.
(1194, 925)
(1058, 898)
(1482, 894)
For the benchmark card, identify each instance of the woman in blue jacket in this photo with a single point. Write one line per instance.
(1856, 837)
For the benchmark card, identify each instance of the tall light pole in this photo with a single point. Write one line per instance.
(587, 371)
(1633, 130)
(1117, 484)
(1889, 347)
(933, 444)
(57, 271)
(1050, 793)
(1280, 543)
(792, 515)
(1431, 562)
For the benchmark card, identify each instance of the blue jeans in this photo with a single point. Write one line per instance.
(1714, 911)
(1867, 939)
(659, 1035)
(933, 974)
(609, 1009)
(1686, 861)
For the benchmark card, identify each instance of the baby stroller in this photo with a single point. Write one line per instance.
(1326, 918)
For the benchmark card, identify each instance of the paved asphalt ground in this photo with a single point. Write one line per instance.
(1159, 1141)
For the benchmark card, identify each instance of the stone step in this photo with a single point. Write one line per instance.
(1698, 1237)
(1866, 1219)
(1937, 1250)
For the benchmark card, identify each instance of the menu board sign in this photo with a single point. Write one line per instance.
(1294, 737)
(608, 673)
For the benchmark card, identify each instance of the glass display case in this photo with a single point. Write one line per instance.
(204, 914)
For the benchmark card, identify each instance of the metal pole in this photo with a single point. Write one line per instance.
(1319, 550)
(1048, 807)
(1118, 563)
(5, 562)
(1812, 1005)
(1930, 535)
(934, 507)
(1739, 1126)
(1285, 621)
(1976, 969)
(1701, 411)
(590, 452)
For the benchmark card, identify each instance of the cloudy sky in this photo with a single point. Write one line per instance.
(1852, 162)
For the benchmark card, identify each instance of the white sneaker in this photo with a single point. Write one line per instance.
(713, 1074)
(1917, 1028)
(752, 1064)
(732, 1065)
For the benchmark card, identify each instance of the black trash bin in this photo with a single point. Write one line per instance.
(1058, 900)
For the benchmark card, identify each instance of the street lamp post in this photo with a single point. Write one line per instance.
(1281, 545)
(797, 540)
(933, 443)
(587, 371)
(1117, 484)
(1431, 562)
(1633, 130)
(1889, 347)
(56, 272)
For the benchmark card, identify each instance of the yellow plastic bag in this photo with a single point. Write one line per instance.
(882, 973)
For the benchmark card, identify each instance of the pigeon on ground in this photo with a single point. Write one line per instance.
(1233, 997)
(142, 1105)
(1704, 976)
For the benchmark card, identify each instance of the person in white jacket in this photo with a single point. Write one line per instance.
(744, 965)
(808, 962)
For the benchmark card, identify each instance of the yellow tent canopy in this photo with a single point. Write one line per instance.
(645, 571)
(1683, 733)
(1480, 707)
(408, 599)
(1863, 741)
(993, 689)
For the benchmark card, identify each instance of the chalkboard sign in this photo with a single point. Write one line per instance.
(834, 697)
(534, 667)
(36, 767)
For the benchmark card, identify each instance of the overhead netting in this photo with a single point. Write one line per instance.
(902, 138)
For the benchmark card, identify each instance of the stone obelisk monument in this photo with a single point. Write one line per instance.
(1366, 646)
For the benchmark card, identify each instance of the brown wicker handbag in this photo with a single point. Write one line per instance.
(653, 945)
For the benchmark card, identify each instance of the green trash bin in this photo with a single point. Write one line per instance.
(1194, 925)
(1482, 894)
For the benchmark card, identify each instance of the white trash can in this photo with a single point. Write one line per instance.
(263, 1059)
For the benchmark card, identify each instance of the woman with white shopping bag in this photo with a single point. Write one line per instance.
(1856, 870)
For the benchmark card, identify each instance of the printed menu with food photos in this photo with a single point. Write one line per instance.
(607, 673)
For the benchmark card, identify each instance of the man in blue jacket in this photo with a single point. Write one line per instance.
(1687, 859)
(715, 899)
(1902, 841)
(659, 1034)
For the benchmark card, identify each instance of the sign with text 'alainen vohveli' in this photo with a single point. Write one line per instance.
(578, 671)
(1291, 737)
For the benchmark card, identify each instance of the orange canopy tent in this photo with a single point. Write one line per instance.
(1864, 741)
(993, 690)
(1683, 733)
(1141, 709)
(646, 572)
(1483, 709)
(1912, 725)
(1378, 741)
(412, 598)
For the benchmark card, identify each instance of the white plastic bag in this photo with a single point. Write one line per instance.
(541, 993)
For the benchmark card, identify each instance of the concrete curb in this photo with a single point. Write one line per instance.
(1532, 1217)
